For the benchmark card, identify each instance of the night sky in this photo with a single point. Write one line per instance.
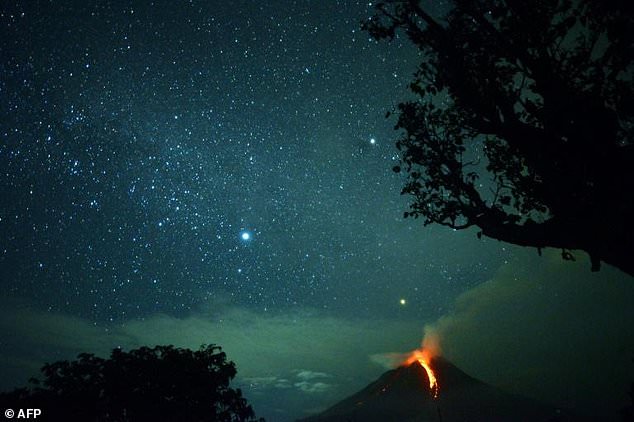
(195, 172)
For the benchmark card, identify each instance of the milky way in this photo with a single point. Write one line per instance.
(140, 140)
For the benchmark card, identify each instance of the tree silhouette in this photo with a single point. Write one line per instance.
(523, 121)
(163, 383)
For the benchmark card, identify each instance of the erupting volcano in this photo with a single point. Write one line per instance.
(423, 356)
(429, 388)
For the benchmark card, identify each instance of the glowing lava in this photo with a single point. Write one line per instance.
(423, 357)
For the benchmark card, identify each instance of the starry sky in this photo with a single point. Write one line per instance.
(195, 172)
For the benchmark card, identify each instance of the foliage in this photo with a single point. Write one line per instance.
(163, 383)
(523, 123)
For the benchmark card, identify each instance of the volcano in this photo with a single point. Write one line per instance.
(406, 394)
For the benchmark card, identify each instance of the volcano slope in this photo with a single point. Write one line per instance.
(404, 395)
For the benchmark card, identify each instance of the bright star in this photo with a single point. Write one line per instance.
(402, 302)
(245, 235)
(372, 141)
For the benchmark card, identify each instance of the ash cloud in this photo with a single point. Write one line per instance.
(547, 329)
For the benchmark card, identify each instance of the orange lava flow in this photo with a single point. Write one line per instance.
(424, 357)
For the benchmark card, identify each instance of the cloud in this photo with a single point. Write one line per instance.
(268, 382)
(311, 375)
(547, 329)
(305, 380)
(312, 382)
(389, 360)
(312, 387)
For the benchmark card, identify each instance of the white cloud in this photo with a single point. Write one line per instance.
(267, 382)
(312, 387)
(311, 375)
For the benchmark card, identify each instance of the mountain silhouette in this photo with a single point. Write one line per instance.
(404, 395)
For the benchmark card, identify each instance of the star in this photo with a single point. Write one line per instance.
(372, 141)
(245, 235)
(403, 302)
